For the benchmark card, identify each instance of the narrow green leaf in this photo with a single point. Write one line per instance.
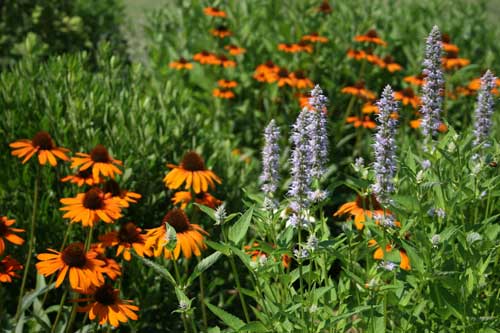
(159, 269)
(228, 319)
(239, 229)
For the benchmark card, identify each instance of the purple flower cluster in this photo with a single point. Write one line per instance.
(432, 94)
(270, 160)
(484, 110)
(385, 147)
(318, 132)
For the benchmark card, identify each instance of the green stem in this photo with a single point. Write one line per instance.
(238, 287)
(202, 301)
(31, 244)
(59, 311)
(178, 278)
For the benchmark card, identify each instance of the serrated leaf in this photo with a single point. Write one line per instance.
(228, 319)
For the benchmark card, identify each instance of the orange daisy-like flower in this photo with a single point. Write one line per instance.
(205, 57)
(360, 209)
(304, 46)
(223, 93)
(418, 122)
(356, 54)
(417, 80)
(181, 64)
(379, 254)
(452, 61)
(82, 178)
(227, 84)
(83, 268)
(8, 268)
(369, 108)
(214, 12)
(390, 64)
(288, 48)
(304, 101)
(91, 206)
(106, 306)
(407, 97)
(300, 80)
(224, 61)
(111, 268)
(8, 233)
(447, 45)
(374, 59)
(284, 78)
(124, 197)
(128, 237)
(192, 171)
(221, 32)
(359, 90)
(324, 8)
(267, 72)
(183, 198)
(100, 162)
(314, 37)
(42, 144)
(189, 236)
(234, 50)
(366, 122)
(371, 36)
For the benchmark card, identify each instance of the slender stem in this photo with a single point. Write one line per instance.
(71, 319)
(202, 301)
(31, 244)
(238, 287)
(178, 278)
(301, 279)
(59, 311)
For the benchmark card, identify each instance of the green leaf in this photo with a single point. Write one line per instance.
(254, 326)
(239, 229)
(221, 247)
(159, 269)
(203, 265)
(207, 210)
(228, 319)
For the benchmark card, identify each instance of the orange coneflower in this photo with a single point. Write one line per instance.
(214, 11)
(189, 236)
(221, 31)
(356, 54)
(8, 268)
(111, 268)
(314, 37)
(371, 36)
(107, 306)
(284, 78)
(361, 208)
(203, 198)
(390, 64)
(407, 97)
(182, 63)
(124, 197)
(288, 47)
(266, 72)
(205, 57)
(300, 80)
(82, 178)
(324, 8)
(366, 122)
(223, 93)
(447, 45)
(227, 83)
(83, 268)
(224, 61)
(304, 46)
(369, 107)
(234, 50)
(192, 171)
(304, 101)
(7, 232)
(91, 206)
(100, 162)
(359, 90)
(417, 123)
(452, 61)
(42, 144)
(128, 237)
(379, 254)
(417, 80)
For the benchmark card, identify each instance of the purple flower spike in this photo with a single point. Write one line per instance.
(484, 110)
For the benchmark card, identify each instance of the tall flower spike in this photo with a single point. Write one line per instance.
(318, 132)
(432, 94)
(270, 160)
(385, 147)
(484, 110)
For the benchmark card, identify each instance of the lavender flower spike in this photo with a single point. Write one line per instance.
(301, 161)
(484, 110)
(270, 160)
(385, 147)
(318, 132)
(432, 94)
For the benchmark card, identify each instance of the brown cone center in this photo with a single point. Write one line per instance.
(74, 255)
(100, 154)
(408, 92)
(87, 173)
(300, 75)
(3, 228)
(93, 199)
(368, 203)
(177, 219)
(193, 162)
(106, 295)
(128, 233)
(372, 33)
(111, 186)
(43, 141)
